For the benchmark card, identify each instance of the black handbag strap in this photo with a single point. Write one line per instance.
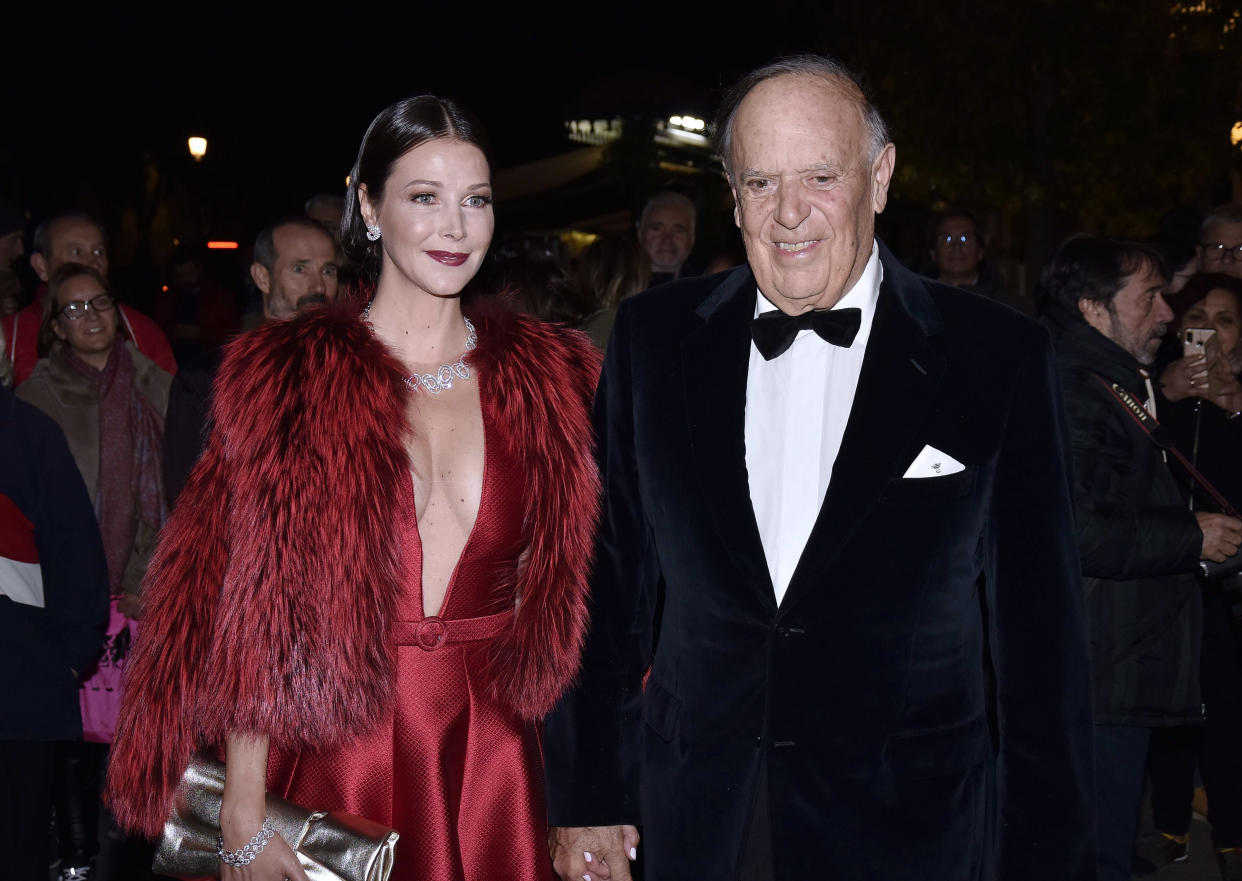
(1148, 423)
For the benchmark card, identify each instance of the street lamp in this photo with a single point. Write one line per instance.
(198, 148)
(1235, 134)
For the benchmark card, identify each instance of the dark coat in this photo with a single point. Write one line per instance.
(863, 692)
(1138, 541)
(40, 647)
(185, 423)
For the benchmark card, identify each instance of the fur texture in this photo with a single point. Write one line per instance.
(279, 571)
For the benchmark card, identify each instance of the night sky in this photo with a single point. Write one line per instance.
(284, 101)
(1082, 116)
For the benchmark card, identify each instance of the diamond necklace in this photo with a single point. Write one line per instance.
(443, 377)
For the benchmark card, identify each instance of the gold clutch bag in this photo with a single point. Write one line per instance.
(330, 846)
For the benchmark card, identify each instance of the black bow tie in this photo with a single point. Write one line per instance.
(774, 332)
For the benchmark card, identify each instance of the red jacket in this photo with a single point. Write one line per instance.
(22, 346)
(268, 599)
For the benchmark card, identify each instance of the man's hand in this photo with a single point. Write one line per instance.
(1221, 536)
(592, 853)
(1184, 378)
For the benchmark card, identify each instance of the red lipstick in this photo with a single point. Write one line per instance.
(448, 258)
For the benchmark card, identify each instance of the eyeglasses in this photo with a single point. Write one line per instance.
(961, 239)
(1217, 251)
(99, 302)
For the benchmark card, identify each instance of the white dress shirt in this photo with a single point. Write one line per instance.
(797, 406)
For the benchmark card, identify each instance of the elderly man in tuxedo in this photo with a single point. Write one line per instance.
(808, 463)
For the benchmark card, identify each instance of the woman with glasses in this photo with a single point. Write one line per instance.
(109, 400)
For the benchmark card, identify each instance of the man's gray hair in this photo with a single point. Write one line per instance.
(821, 66)
(265, 241)
(668, 197)
(41, 242)
(1231, 213)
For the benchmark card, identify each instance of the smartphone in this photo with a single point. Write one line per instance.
(1194, 339)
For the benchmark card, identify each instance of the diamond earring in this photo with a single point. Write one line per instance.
(373, 232)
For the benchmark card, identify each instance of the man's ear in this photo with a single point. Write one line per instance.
(882, 176)
(261, 277)
(1095, 314)
(39, 264)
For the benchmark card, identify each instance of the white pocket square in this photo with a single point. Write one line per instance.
(933, 463)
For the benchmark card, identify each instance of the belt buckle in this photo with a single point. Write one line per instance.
(430, 633)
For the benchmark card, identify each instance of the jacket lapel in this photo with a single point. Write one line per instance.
(901, 371)
(715, 358)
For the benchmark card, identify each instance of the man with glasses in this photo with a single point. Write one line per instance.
(74, 238)
(1220, 241)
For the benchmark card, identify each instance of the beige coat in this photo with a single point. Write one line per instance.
(73, 403)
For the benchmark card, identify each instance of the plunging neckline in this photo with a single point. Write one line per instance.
(474, 526)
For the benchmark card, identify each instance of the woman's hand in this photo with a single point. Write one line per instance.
(1184, 378)
(242, 810)
(1224, 390)
(276, 863)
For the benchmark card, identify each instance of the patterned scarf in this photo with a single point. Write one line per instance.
(131, 442)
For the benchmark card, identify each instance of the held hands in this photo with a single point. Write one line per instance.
(592, 853)
(1221, 536)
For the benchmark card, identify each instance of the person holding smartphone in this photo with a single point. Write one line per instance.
(1204, 420)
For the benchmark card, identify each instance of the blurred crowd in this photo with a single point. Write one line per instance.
(105, 407)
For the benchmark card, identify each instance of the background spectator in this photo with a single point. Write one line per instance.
(109, 399)
(610, 269)
(53, 608)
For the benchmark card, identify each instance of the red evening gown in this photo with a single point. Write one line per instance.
(459, 776)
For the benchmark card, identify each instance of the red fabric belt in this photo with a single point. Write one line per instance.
(431, 633)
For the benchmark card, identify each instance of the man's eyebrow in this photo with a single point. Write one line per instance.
(819, 166)
(822, 166)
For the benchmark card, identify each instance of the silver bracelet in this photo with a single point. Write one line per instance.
(244, 856)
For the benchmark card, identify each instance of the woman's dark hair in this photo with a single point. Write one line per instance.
(1201, 284)
(397, 130)
(611, 269)
(64, 273)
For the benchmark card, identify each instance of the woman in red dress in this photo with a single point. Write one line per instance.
(373, 585)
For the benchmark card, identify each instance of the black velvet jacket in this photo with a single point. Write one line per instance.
(1138, 541)
(862, 692)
